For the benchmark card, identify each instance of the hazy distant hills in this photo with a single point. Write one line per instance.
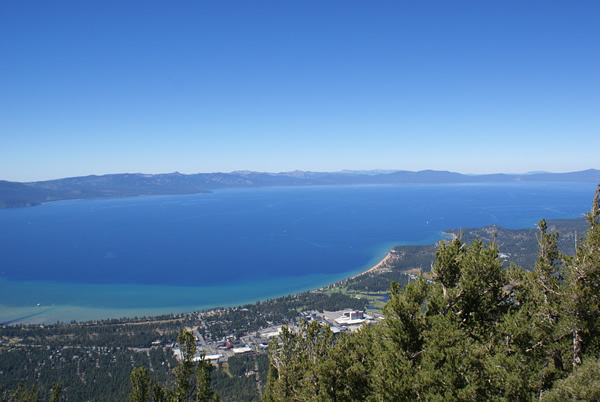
(14, 194)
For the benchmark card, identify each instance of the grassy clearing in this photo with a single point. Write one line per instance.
(372, 297)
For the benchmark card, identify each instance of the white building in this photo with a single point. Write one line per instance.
(352, 317)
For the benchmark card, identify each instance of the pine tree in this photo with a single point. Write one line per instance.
(583, 279)
(192, 381)
(141, 385)
(399, 344)
(296, 362)
(185, 370)
(447, 267)
(546, 306)
(480, 287)
(346, 368)
(582, 385)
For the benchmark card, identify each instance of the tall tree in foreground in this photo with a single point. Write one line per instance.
(583, 280)
(30, 394)
(296, 361)
(310, 363)
(398, 343)
(141, 385)
(192, 380)
(464, 309)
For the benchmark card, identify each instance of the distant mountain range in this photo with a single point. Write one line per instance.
(16, 194)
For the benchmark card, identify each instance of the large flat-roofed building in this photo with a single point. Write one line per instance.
(351, 317)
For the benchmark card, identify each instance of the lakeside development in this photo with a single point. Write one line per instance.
(235, 340)
(99, 259)
(400, 264)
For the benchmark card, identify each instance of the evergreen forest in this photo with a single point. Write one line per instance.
(478, 331)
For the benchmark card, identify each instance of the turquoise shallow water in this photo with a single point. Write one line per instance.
(94, 259)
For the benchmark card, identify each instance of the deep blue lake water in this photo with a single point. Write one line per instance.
(93, 259)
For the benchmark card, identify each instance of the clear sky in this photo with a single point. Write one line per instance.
(116, 86)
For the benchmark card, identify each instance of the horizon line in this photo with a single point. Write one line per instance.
(343, 171)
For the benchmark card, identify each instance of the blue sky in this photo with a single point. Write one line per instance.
(98, 87)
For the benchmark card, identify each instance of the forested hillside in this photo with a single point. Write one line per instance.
(94, 360)
(477, 332)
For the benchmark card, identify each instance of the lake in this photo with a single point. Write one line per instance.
(109, 258)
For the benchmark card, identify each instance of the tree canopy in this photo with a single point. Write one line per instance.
(476, 332)
(192, 380)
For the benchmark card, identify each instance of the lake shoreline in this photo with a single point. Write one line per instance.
(51, 314)
(380, 266)
(275, 241)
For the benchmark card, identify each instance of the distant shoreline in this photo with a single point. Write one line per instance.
(26, 194)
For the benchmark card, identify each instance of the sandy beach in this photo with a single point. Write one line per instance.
(383, 264)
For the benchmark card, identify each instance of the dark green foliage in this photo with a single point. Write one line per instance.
(56, 392)
(192, 381)
(583, 294)
(295, 369)
(83, 372)
(22, 393)
(398, 342)
(477, 332)
(237, 383)
(447, 268)
(518, 246)
(377, 282)
(141, 385)
(582, 385)
(309, 363)
(185, 371)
